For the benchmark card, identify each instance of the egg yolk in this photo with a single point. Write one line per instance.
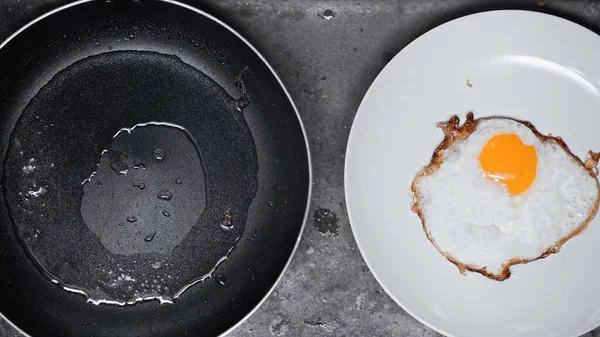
(505, 159)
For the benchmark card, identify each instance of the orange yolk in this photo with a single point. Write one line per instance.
(505, 159)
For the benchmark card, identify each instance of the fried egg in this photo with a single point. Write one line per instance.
(498, 193)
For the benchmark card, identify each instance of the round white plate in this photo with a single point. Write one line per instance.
(519, 64)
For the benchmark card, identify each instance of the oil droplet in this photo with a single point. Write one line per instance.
(150, 237)
(164, 195)
(99, 184)
(178, 181)
(109, 48)
(131, 218)
(139, 185)
(40, 191)
(166, 213)
(227, 224)
(30, 167)
(221, 279)
(328, 14)
(159, 155)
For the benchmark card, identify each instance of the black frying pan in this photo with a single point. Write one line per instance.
(149, 154)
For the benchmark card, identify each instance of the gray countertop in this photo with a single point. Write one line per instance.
(328, 65)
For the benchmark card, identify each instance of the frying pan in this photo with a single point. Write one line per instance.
(155, 173)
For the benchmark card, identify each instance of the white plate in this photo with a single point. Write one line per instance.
(525, 65)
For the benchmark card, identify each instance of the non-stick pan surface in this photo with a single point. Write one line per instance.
(145, 147)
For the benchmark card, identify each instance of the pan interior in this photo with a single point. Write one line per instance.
(129, 176)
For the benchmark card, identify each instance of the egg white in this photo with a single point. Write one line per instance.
(477, 222)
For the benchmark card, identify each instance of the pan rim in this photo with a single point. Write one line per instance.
(289, 97)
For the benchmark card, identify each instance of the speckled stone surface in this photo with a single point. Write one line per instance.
(327, 53)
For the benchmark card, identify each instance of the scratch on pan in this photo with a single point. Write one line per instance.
(244, 99)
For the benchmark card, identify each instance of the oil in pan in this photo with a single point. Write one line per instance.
(141, 167)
